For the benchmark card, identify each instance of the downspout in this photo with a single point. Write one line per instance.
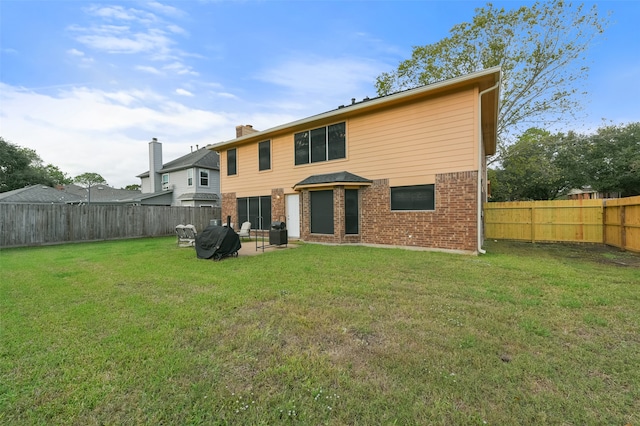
(480, 164)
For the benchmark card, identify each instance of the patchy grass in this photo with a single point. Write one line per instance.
(140, 331)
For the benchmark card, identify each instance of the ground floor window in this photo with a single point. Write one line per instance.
(416, 197)
(351, 211)
(321, 212)
(256, 210)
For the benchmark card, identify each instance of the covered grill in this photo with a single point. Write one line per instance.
(278, 233)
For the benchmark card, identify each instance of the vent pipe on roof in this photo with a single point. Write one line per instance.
(353, 101)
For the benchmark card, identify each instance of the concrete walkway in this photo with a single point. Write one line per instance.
(249, 247)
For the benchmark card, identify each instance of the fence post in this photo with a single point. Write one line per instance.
(623, 231)
(533, 225)
(604, 221)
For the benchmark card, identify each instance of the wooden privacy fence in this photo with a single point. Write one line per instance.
(614, 222)
(36, 224)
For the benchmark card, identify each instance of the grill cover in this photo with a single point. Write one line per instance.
(217, 242)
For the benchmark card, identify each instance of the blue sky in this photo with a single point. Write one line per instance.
(88, 84)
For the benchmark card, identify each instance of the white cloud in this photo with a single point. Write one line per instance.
(319, 76)
(149, 70)
(75, 52)
(119, 13)
(226, 95)
(183, 92)
(83, 129)
(180, 69)
(119, 39)
(165, 10)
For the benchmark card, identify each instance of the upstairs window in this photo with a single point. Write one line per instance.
(232, 162)
(204, 177)
(264, 154)
(165, 181)
(190, 177)
(321, 144)
(416, 197)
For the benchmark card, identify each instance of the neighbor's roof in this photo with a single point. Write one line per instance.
(339, 178)
(203, 158)
(482, 79)
(102, 193)
(38, 194)
(199, 196)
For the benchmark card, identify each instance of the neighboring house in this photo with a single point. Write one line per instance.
(588, 193)
(407, 169)
(192, 180)
(102, 194)
(39, 194)
(69, 194)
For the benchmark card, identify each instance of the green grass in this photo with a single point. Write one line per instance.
(141, 332)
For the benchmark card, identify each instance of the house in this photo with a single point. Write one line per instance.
(588, 193)
(102, 194)
(39, 194)
(69, 194)
(407, 169)
(192, 180)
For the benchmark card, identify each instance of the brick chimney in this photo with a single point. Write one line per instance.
(244, 129)
(155, 165)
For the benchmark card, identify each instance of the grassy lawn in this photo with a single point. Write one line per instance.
(141, 332)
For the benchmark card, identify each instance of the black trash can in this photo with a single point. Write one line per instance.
(278, 234)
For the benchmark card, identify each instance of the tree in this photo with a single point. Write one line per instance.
(133, 187)
(89, 180)
(530, 169)
(57, 176)
(540, 48)
(20, 167)
(609, 160)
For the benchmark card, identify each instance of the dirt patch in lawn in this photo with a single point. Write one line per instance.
(597, 253)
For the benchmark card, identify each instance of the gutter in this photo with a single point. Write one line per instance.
(480, 163)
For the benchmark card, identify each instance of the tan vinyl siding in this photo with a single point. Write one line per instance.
(409, 143)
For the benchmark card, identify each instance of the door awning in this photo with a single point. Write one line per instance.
(331, 180)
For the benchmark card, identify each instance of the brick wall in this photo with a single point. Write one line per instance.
(277, 205)
(453, 224)
(230, 208)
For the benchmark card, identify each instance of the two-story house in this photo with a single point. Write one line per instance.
(407, 169)
(192, 180)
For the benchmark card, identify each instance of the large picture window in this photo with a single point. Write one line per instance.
(321, 144)
(321, 212)
(351, 211)
(232, 160)
(264, 154)
(416, 197)
(252, 209)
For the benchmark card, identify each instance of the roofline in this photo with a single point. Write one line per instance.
(298, 187)
(363, 106)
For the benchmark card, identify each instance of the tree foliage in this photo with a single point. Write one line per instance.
(541, 49)
(529, 169)
(607, 161)
(21, 167)
(89, 179)
(545, 166)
